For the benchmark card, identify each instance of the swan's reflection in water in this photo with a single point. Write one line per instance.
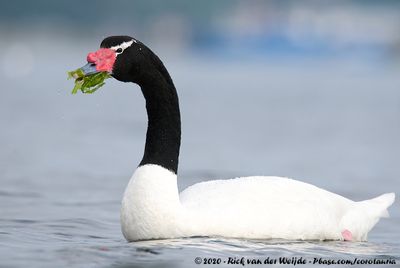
(246, 246)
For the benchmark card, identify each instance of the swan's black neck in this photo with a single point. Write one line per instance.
(163, 137)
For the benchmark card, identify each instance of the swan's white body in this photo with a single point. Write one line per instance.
(250, 207)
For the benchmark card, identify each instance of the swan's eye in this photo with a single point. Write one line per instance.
(119, 50)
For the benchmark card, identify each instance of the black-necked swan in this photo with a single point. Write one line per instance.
(269, 207)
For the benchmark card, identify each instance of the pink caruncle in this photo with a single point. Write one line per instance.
(104, 58)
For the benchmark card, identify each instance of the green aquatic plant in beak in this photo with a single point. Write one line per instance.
(87, 83)
(90, 77)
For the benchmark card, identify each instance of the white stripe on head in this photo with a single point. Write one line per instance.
(123, 46)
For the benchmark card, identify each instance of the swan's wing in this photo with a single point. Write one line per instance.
(280, 205)
(257, 191)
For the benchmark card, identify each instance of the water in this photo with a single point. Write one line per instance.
(65, 160)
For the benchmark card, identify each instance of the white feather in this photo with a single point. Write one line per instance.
(249, 207)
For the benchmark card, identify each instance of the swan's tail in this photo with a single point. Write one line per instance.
(378, 206)
(363, 216)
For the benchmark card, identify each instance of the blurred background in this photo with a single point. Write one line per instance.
(304, 89)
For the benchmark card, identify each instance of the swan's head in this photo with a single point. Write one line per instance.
(124, 57)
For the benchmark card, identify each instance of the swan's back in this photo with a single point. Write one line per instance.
(274, 207)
